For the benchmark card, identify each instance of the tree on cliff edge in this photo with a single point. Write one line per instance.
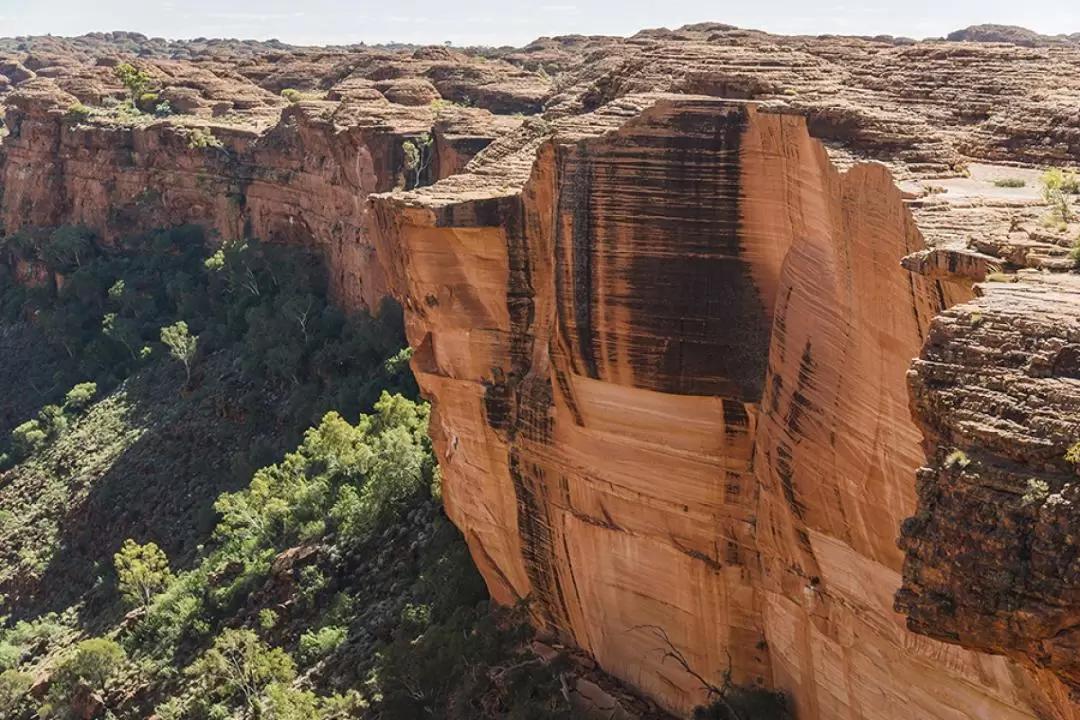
(134, 79)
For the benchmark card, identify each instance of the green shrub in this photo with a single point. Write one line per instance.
(241, 665)
(291, 95)
(10, 655)
(27, 438)
(163, 109)
(1010, 183)
(80, 397)
(67, 249)
(52, 419)
(359, 476)
(79, 113)
(14, 686)
(142, 572)
(93, 662)
(1073, 454)
(1036, 491)
(200, 139)
(147, 102)
(288, 703)
(267, 619)
(1058, 186)
(316, 644)
(176, 614)
(37, 635)
(957, 458)
(182, 346)
(132, 78)
(172, 709)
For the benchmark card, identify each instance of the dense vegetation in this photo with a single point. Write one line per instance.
(160, 552)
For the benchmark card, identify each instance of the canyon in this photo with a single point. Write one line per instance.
(746, 365)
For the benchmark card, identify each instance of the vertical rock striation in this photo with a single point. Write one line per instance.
(663, 344)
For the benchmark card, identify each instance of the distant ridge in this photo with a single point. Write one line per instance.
(1012, 34)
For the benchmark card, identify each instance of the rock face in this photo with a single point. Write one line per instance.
(302, 180)
(1009, 34)
(665, 327)
(664, 344)
(992, 550)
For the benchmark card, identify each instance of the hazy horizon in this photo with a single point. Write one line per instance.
(488, 22)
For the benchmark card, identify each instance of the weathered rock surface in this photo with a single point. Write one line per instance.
(665, 327)
(992, 550)
(1009, 34)
(664, 343)
(301, 180)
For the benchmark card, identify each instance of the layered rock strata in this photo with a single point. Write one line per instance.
(992, 549)
(664, 342)
(665, 334)
(301, 181)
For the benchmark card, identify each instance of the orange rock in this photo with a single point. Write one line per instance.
(664, 343)
(302, 180)
(665, 332)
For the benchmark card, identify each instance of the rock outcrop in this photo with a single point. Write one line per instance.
(302, 180)
(992, 549)
(665, 344)
(1010, 34)
(665, 327)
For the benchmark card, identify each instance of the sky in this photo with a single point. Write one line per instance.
(505, 22)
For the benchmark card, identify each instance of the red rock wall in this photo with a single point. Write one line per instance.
(665, 345)
(666, 370)
(303, 181)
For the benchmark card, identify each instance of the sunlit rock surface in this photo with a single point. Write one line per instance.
(667, 325)
(665, 345)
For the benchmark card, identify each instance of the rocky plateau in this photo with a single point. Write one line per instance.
(762, 350)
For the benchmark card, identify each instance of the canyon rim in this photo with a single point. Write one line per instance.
(759, 350)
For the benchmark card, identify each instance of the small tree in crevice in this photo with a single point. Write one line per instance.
(418, 156)
(1057, 188)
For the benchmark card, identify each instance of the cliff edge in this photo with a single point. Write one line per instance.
(667, 329)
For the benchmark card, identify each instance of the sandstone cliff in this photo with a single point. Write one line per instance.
(991, 552)
(242, 160)
(302, 180)
(665, 331)
(665, 345)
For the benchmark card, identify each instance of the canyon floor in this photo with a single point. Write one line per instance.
(749, 365)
